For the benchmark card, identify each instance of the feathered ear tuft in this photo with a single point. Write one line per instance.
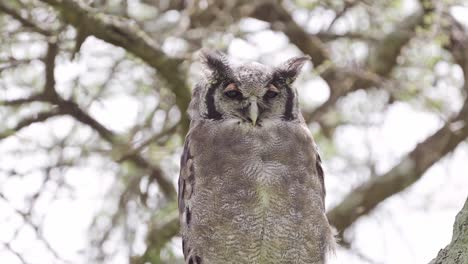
(216, 62)
(289, 70)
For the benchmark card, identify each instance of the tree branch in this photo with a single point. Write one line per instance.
(161, 232)
(24, 21)
(340, 83)
(381, 62)
(457, 250)
(327, 36)
(126, 34)
(367, 196)
(384, 55)
(412, 167)
(148, 141)
(20, 101)
(36, 118)
(29, 221)
(279, 17)
(72, 109)
(8, 247)
(347, 6)
(49, 87)
(458, 46)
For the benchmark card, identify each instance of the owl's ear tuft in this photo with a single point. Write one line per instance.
(216, 62)
(289, 70)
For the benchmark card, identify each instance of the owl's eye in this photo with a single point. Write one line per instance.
(231, 92)
(272, 92)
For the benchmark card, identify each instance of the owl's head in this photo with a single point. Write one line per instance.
(250, 92)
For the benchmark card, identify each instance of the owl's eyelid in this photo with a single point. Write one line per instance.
(232, 86)
(273, 88)
(232, 92)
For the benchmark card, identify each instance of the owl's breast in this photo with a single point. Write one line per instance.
(254, 193)
(271, 155)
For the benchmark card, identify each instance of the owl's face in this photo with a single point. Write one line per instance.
(249, 93)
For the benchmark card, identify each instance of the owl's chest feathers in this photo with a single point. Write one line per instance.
(271, 154)
(259, 183)
(258, 167)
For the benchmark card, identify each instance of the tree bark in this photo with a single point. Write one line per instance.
(457, 251)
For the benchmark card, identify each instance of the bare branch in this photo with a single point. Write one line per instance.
(148, 141)
(311, 45)
(27, 219)
(343, 82)
(14, 252)
(11, 63)
(69, 107)
(383, 57)
(20, 101)
(412, 167)
(49, 61)
(72, 109)
(161, 232)
(381, 62)
(24, 21)
(126, 34)
(36, 118)
(327, 36)
(347, 6)
(458, 46)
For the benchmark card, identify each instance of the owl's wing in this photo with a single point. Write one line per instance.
(320, 173)
(186, 181)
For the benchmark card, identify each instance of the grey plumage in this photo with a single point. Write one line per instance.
(251, 186)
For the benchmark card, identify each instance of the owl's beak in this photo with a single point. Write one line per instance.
(253, 111)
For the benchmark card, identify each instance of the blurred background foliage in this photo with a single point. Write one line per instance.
(93, 97)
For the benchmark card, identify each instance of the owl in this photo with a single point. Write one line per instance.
(251, 186)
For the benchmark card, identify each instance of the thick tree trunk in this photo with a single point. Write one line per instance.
(457, 251)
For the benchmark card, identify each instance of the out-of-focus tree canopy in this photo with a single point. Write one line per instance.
(93, 99)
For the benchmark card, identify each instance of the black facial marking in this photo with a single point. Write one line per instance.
(288, 110)
(221, 71)
(284, 76)
(279, 81)
(210, 103)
